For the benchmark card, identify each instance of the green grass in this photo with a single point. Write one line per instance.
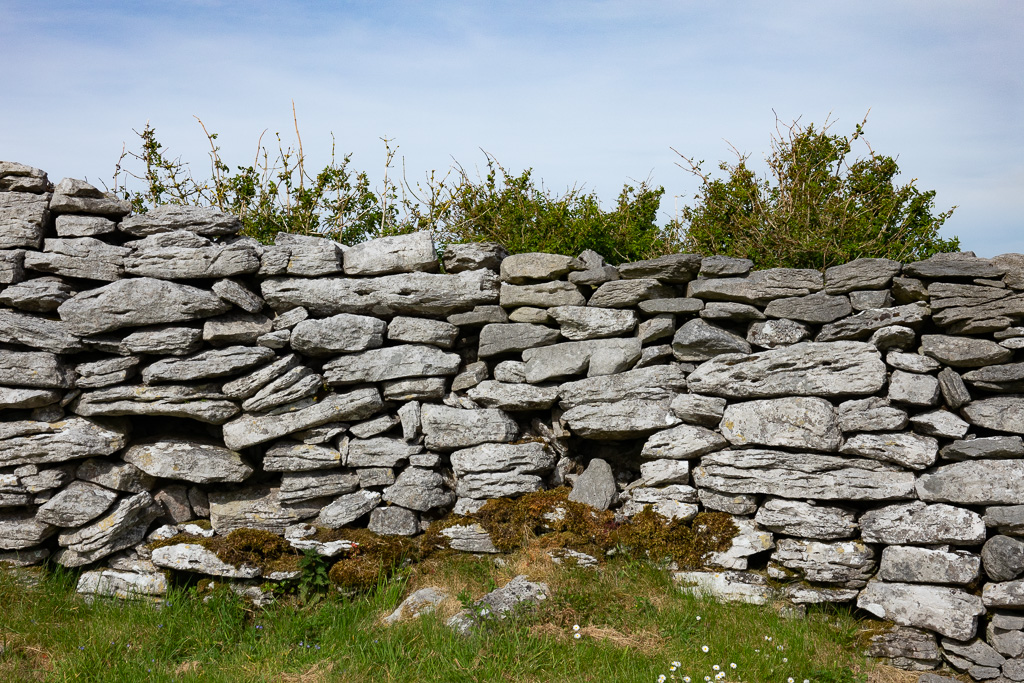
(633, 624)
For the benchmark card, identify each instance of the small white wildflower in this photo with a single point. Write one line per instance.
(686, 679)
(577, 636)
(698, 617)
(806, 681)
(790, 680)
(720, 675)
(732, 665)
(785, 660)
(677, 664)
(661, 678)
(575, 627)
(672, 668)
(779, 648)
(715, 667)
(707, 679)
(704, 648)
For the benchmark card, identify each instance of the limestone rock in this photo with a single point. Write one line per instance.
(918, 523)
(731, 312)
(671, 269)
(27, 442)
(806, 520)
(963, 352)
(69, 225)
(697, 340)
(925, 565)
(513, 397)
(117, 475)
(796, 422)
(805, 369)
(907, 449)
(473, 256)
(37, 332)
(137, 302)
(206, 364)
(724, 266)
(870, 415)
(818, 308)
(292, 456)
(730, 586)
(800, 594)
(423, 331)
(671, 306)
(297, 487)
(413, 252)
(940, 423)
(587, 322)
(496, 339)
(664, 471)
(771, 334)
(759, 288)
(192, 557)
(975, 482)
(394, 521)
(861, 325)
(542, 295)
(12, 397)
(529, 267)
(12, 266)
(249, 430)
(172, 256)
(699, 410)
(470, 538)
(15, 177)
(23, 218)
(802, 476)
(34, 369)
(480, 315)
(954, 265)
(382, 451)
(987, 447)
(676, 501)
(472, 375)
(234, 292)
(654, 383)
(997, 378)
(734, 504)
(628, 419)
(486, 485)
(862, 273)
(908, 648)
(405, 294)
(684, 442)
(236, 328)
(181, 458)
(596, 486)
(950, 611)
(110, 583)
(749, 541)
(972, 309)
(307, 255)
(448, 428)
(419, 489)
(202, 220)
(499, 602)
(163, 340)
(849, 563)
(83, 257)
(912, 362)
(659, 327)
(76, 504)
(1003, 557)
(21, 529)
(392, 362)
(200, 402)
(258, 507)
(629, 293)
(1002, 413)
(593, 358)
(863, 300)
(122, 526)
(340, 333)
(40, 295)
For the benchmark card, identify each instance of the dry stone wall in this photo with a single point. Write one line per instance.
(863, 425)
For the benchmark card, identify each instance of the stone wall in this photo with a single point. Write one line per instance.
(861, 424)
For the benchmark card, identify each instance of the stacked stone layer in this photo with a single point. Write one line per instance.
(863, 425)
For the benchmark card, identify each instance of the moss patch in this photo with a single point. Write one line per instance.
(375, 558)
(658, 538)
(256, 547)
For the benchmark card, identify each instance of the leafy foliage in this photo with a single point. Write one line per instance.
(819, 208)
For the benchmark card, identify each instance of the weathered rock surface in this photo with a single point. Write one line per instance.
(23, 219)
(998, 378)
(954, 265)
(110, 583)
(529, 267)
(391, 362)
(795, 422)
(470, 538)
(588, 322)
(802, 476)
(672, 269)
(76, 504)
(987, 447)
(122, 526)
(137, 302)
(870, 415)
(202, 220)
(473, 256)
(590, 358)
(918, 523)
(907, 449)
(1003, 557)
(697, 409)
(206, 364)
(908, 564)
(192, 557)
(409, 253)
(697, 340)
(772, 334)
(496, 339)
(806, 369)
(13, 397)
(302, 486)
(27, 442)
(862, 324)
(759, 288)
(974, 482)
(249, 430)
(863, 273)
(950, 611)
(1002, 413)
(422, 331)
(726, 586)
(187, 459)
(39, 295)
(381, 451)
(447, 428)
(806, 520)
(849, 563)
(596, 486)
(499, 602)
(626, 419)
(655, 383)
(818, 308)
(676, 501)
(419, 489)
(342, 333)
(200, 402)
(405, 294)
(541, 295)
(627, 293)
(257, 507)
(684, 442)
(183, 255)
(513, 397)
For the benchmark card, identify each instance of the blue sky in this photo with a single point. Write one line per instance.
(591, 93)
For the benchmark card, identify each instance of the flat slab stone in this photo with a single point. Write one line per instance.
(802, 476)
(684, 442)
(137, 302)
(27, 442)
(486, 485)
(409, 253)
(1002, 413)
(207, 364)
(919, 523)
(192, 557)
(257, 507)
(974, 482)
(655, 383)
(863, 324)
(513, 397)
(677, 269)
(759, 288)
(532, 456)
(592, 358)
(496, 339)
(159, 256)
(162, 340)
(519, 269)
(910, 450)
(950, 611)
(818, 308)
(587, 322)
(676, 501)
(201, 402)
(250, 430)
(392, 362)
(110, 583)
(405, 294)
(122, 526)
(805, 369)
(16, 397)
(342, 333)
(963, 352)
(697, 340)
(381, 451)
(596, 486)
(187, 459)
(76, 504)
(541, 295)
(301, 486)
(619, 420)
(926, 565)
(419, 489)
(953, 265)
(862, 273)
(423, 331)
(23, 217)
(871, 415)
(447, 428)
(998, 378)
(293, 456)
(987, 447)
(469, 538)
(806, 520)
(202, 220)
(726, 586)
(473, 256)
(629, 293)
(796, 422)
(39, 295)
(849, 563)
